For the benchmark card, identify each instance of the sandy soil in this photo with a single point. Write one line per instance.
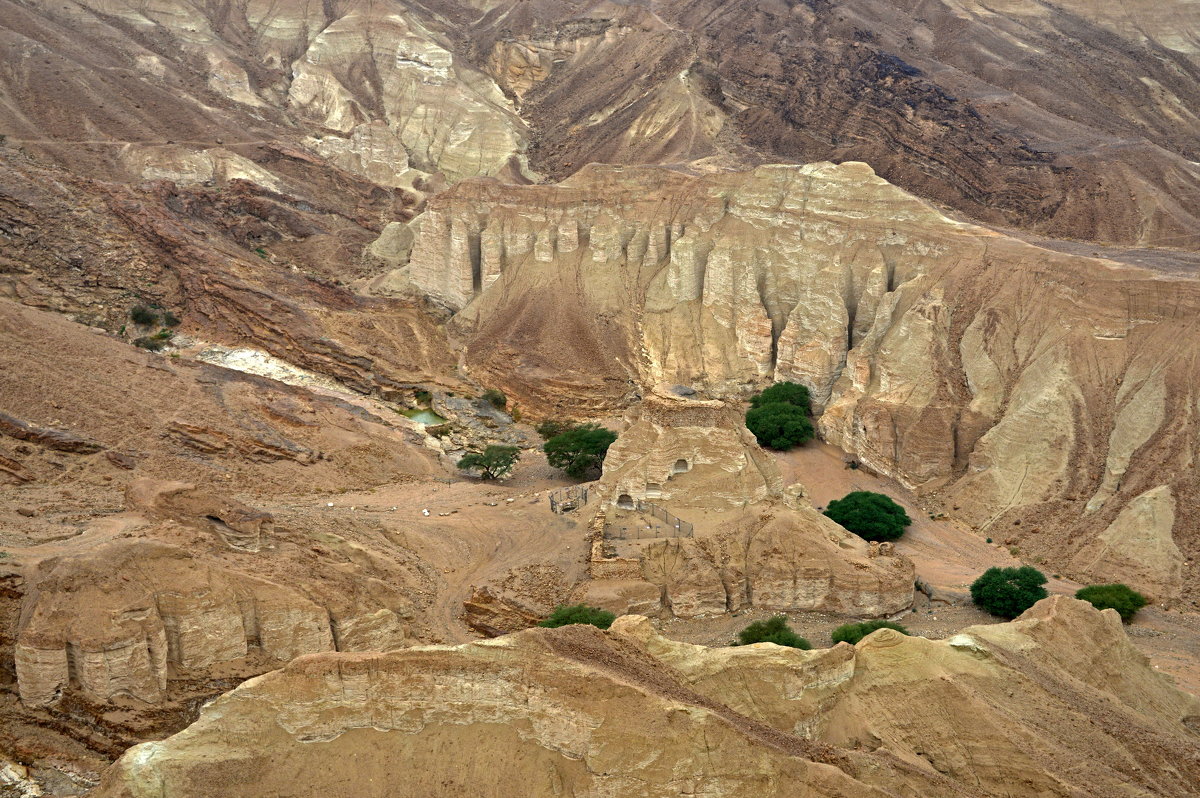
(476, 531)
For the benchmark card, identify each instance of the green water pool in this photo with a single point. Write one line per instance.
(424, 416)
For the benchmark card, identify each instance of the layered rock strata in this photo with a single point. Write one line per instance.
(697, 513)
(1041, 395)
(580, 710)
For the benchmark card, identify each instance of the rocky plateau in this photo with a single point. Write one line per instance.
(264, 267)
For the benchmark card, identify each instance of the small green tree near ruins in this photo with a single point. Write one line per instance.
(872, 516)
(853, 632)
(774, 630)
(580, 449)
(1122, 598)
(565, 615)
(493, 462)
(778, 416)
(1008, 592)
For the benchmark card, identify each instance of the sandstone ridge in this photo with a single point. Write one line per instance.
(603, 713)
(1025, 388)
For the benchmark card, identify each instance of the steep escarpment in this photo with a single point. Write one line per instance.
(93, 409)
(580, 709)
(1072, 121)
(734, 538)
(240, 264)
(1042, 395)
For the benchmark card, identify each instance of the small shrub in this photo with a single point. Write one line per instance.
(789, 393)
(565, 615)
(1122, 598)
(262, 253)
(872, 516)
(423, 397)
(580, 449)
(989, 540)
(171, 320)
(143, 315)
(552, 429)
(774, 630)
(162, 335)
(150, 342)
(1008, 592)
(779, 426)
(495, 398)
(853, 632)
(493, 463)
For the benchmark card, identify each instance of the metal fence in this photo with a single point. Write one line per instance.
(672, 526)
(566, 499)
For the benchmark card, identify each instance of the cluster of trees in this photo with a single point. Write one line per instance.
(1008, 592)
(779, 416)
(578, 449)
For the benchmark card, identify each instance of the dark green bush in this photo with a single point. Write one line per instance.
(493, 463)
(171, 320)
(495, 398)
(1008, 592)
(872, 516)
(774, 630)
(143, 315)
(853, 632)
(788, 393)
(552, 429)
(1122, 598)
(163, 335)
(780, 425)
(151, 342)
(423, 397)
(580, 449)
(565, 615)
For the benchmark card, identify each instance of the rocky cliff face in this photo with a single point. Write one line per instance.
(190, 581)
(736, 538)
(604, 713)
(1077, 123)
(1028, 388)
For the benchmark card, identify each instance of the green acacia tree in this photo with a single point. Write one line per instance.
(1122, 598)
(774, 630)
(493, 462)
(780, 425)
(872, 516)
(565, 615)
(580, 449)
(853, 632)
(791, 393)
(1008, 592)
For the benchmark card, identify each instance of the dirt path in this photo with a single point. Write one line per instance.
(948, 555)
(476, 532)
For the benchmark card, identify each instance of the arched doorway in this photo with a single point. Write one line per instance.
(681, 466)
(625, 501)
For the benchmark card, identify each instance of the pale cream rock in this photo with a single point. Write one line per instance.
(629, 712)
(1137, 547)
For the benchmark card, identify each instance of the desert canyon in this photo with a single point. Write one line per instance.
(262, 265)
